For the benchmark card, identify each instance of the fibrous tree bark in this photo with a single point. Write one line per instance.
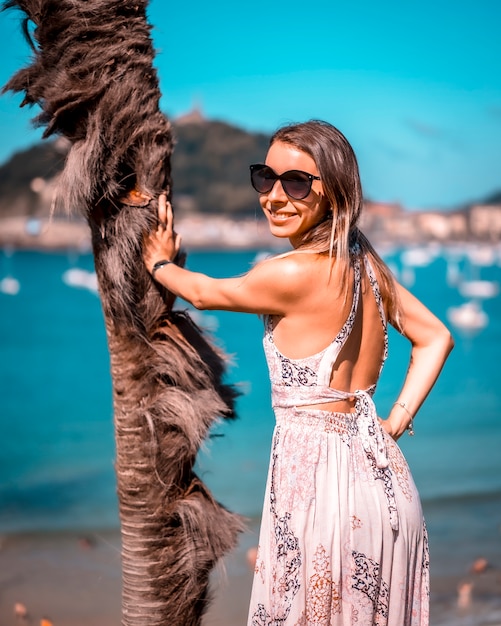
(92, 76)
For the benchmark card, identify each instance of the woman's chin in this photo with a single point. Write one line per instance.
(283, 229)
(280, 232)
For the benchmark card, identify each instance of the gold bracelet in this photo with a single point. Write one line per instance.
(410, 427)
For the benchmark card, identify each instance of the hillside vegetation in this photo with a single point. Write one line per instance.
(210, 171)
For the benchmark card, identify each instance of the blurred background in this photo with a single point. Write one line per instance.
(416, 88)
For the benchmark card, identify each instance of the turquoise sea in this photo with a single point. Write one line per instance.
(56, 441)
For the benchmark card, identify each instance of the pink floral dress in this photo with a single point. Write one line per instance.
(342, 539)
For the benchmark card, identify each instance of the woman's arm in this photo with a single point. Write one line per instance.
(270, 287)
(431, 344)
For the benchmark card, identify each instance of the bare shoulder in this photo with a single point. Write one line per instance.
(295, 269)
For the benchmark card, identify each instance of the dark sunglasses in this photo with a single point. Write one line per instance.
(295, 183)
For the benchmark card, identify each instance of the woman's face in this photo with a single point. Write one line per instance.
(286, 216)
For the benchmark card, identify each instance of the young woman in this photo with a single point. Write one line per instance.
(342, 538)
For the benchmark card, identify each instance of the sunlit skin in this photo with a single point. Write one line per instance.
(289, 218)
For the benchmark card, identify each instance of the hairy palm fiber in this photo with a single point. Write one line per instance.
(93, 79)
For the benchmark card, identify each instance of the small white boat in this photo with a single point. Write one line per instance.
(479, 288)
(76, 277)
(418, 257)
(415, 257)
(481, 255)
(10, 286)
(468, 316)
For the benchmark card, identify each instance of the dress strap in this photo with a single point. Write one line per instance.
(375, 289)
(379, 301)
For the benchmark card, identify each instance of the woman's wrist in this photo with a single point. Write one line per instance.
(158, 265)
(410, 426)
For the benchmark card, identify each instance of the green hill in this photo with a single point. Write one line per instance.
(210, 171)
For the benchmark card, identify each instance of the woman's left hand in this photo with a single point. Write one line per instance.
(163, 243)
(389, 428)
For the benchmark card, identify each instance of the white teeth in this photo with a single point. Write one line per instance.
(281, 216)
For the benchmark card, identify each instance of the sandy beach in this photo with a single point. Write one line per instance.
(75, 580)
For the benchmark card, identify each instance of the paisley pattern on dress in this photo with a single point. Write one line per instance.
(285, 579)
(338, 492)
(295, 374)
(367, 579)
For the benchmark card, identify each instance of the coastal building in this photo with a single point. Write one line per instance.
(442, 226)
(485, 222)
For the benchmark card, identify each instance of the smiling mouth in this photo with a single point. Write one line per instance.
(281, 216)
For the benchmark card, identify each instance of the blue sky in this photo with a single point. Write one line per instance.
(416, 87)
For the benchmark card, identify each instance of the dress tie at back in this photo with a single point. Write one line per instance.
(369, 427)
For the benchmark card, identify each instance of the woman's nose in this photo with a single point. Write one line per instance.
(277, 193)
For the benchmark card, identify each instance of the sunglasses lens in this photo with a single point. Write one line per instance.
(296, 184)
(263, 179)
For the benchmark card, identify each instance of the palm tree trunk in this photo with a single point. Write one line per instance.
(93, 79)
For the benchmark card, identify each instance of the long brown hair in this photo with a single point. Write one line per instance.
(338, 233)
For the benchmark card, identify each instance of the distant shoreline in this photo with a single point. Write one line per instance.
(198, 231)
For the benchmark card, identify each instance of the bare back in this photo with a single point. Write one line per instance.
(318, 316)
